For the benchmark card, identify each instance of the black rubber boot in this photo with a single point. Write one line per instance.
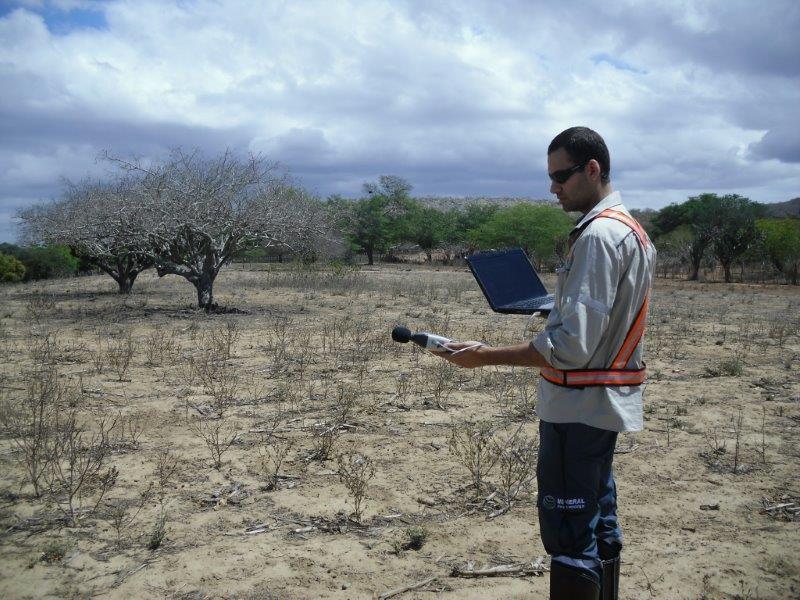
(571, 584)
(609, 586)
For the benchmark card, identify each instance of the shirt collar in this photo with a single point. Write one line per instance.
(613, 199)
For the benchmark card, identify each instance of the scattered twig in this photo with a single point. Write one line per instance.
(535, 568)
(786, 507)
(407, 588)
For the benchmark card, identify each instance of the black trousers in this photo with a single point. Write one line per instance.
(577, 499)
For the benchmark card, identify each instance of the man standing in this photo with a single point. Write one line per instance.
(591, 367)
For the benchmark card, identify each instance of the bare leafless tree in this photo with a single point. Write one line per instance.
(186, 215)
(95, 220)
(196, 213)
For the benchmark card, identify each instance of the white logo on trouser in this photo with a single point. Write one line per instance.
(550, 503)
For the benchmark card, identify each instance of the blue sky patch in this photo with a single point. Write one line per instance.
(63, 21)
(617, 63)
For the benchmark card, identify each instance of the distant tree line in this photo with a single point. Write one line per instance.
(705, 230)
(727, 230)
(388, 218)
(189, 216)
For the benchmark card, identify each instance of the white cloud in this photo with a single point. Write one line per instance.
(457, 97)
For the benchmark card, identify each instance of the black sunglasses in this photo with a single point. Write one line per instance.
(563, 175)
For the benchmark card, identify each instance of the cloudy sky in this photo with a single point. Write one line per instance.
(459, 97)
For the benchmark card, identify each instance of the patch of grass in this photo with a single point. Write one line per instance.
(54, 551)
(159, 533)
(417, 536)
(731, 367)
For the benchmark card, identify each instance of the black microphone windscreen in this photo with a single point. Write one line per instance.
(401, 334)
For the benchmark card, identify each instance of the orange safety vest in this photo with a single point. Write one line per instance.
(618, 373)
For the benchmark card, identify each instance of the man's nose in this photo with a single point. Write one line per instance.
(555, 187)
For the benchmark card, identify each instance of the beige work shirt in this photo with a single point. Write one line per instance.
(600, 290)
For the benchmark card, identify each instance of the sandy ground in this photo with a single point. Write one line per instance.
(723, 359)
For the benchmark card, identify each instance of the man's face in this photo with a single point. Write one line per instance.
(576, 193)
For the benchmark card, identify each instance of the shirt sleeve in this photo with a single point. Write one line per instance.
(586, 296)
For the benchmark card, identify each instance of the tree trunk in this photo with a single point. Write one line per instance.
(369, 251)
(125, 282)
(123, 277)
(726, 266)
(695, 274)
(204, 284)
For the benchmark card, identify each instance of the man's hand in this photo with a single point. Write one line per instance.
(464, 354)
(476, 354)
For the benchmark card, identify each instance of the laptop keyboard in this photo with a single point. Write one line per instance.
(531, 302)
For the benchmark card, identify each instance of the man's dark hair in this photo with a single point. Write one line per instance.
(582, 145)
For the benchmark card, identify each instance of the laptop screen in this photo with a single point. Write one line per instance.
(506, 276)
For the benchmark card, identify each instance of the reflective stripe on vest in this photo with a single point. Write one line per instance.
(618, 373)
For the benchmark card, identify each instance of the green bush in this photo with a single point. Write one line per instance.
(43, 262)
(731, 367)
(538, 229)
(781, 240)
(11, 269)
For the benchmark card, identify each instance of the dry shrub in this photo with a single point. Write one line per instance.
(303, 356)
(33, 423)
(781, 327)
(128, 431)
(39, 305)
(716, 441)
(526, 386)
(256, 390)
(162, 347)
(223, 338)
(218, 436)
(121, 513)
(324, 436)
(403, 387)
(167, 468)
(441, 382)
(120, 353)
(516, 464)
(279, 341)
(287, 395)
(97, 355)
(355, 472)
(78, 468)
(219, 380)
(273, 453)
(345, 403)
(44, 348)
(474, 446)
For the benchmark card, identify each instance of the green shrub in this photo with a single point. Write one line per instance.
(54, 551)
(417, 536)
(731, 367)
(43, 262)
(159, 533)
(11, 269)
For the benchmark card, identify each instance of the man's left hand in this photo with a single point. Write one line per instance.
(465, 354)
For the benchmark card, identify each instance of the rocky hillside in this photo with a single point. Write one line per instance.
(445, 203)
(790, 208)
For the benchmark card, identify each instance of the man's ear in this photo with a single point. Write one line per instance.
(594, 170)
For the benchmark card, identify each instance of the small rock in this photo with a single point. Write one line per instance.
(345, 585)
